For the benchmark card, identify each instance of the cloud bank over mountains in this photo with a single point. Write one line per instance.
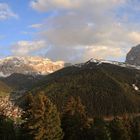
(77, 30)
(23, 48)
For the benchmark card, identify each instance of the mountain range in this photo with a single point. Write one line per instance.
(28, 65)
(106, 88)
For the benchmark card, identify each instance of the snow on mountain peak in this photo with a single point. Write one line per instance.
(102, 61)
(28, 65)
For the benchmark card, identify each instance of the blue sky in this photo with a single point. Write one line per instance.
(15, 29)
(69, 30)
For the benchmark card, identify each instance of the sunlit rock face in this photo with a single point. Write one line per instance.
(28, 65)
(133, 56)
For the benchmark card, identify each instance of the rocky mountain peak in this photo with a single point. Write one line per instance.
(133, 56)
(28, 65)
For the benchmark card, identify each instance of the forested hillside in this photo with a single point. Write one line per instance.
(89, 101)
(21, 81)
(105, 89)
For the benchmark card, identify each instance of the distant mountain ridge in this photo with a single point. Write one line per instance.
(28, 65)
(19, 81)
(106, 88)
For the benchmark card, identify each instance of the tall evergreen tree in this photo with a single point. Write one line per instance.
(99, 130)
(135, 128)
(74, 120)
(6, 129)
(118, 130)
(25, 132)
(43, 122)
(127, 121)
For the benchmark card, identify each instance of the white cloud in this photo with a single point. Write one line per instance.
(45, 5)
(6, 12)
(82, 23)
(135, 36)
(102, 52)
(35, 26)
(23, 48)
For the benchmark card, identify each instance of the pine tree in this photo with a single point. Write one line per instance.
(127, 121)
(6, 129)
(135, 128)
(118, 130)
(99, 130)
(43, 122)
(27, 116)
(74, 120)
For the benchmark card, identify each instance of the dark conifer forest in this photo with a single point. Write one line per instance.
(90, 102)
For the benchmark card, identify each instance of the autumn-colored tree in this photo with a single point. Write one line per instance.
(43, 121)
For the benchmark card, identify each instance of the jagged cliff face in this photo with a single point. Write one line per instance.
(133, 56)
(28, 65)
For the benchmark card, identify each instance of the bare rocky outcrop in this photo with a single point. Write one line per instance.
(133, 56)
